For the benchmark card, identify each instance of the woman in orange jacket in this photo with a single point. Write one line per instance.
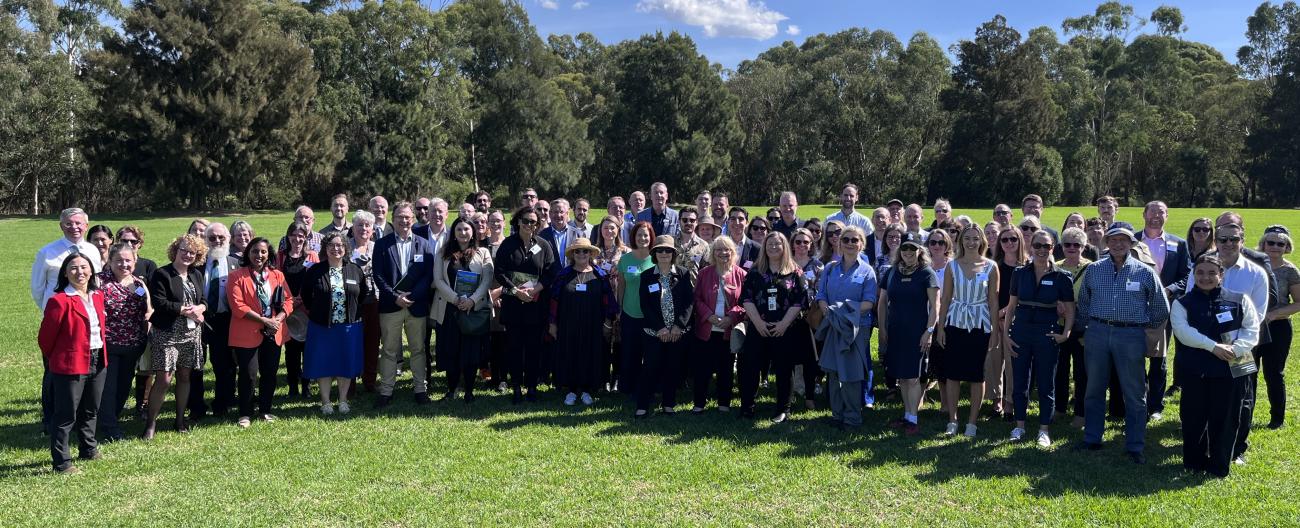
(259, 303)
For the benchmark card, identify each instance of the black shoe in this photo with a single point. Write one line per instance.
(448, 396)
(1137, 457)
(1086, 446)
(517, 398)
(383, 401)
(532, 395)
(1275, 423)
(780, 417)
(469, 398)
(293, 391)
(93, 455)
(421, 398)
(746, 414)
(641, 414)
(1172, 390)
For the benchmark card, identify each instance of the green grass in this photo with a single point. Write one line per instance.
(544, 464)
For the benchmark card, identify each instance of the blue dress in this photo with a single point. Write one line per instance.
(908, 298)
(334, 351)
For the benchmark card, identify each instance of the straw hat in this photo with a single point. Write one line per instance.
(664, 241)
(580, 243)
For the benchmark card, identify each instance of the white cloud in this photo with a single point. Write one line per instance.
(549, 4)
(579, 5)
(792, 30)
(727, 18)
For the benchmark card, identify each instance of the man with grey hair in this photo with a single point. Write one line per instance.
(557, 233)
(216, 272)
(662, 218)
(788, 207)
(45, 270)
(435, 231)
(379, 208)
(305, 215)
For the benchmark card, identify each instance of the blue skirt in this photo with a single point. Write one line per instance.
(333, 352)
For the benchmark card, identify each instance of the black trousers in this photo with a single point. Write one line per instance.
(495, 357)
(660, 371)
(1211, 414)
(74, 404)
(293, 351)
(759, 351)
(221, 361)
(262, 362)
(117, 386)
(1071, 353)
(196, 404)
(713, 359)
(524, 354)
(631, 352)
(462, 353)
(1271, 360)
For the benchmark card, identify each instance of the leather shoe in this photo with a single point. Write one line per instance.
(421, 398)
(1137, 457)
(1086, 446)
(383, 401)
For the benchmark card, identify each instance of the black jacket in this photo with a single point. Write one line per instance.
(683, 299)
(318, 298)
(167, 292)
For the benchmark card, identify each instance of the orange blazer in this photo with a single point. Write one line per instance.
(242, 297)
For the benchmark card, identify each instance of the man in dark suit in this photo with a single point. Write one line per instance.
(216, 331)
(661, 217)
(1173, 262)
(875, 245)
(557, 229)
(403, 272)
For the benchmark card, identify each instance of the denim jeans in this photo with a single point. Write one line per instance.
(1125, 349)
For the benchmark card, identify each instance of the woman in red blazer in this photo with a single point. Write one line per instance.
(714, 321)
(73, 344)
(259, 303)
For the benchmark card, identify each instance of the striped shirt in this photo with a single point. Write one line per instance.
(970, 297)
(1131, 294)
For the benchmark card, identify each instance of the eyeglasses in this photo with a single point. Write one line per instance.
(688, 220)
(216, 238)
(1071, 245)
(1040, 245)
(850, 240)
(421, 208)
(129, 241)
(1227, 239)
(908, 248)
(1009, 240)
(527, 222)
(1275, 243)
(1201, 230)
(943, 211)
(936, 243)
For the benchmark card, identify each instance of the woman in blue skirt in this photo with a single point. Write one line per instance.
(332, 295)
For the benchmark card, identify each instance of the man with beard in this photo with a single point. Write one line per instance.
(721, 204)
(339, 221)
(579, 225)
(216, 333)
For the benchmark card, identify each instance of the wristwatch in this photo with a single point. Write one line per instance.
(929, 330)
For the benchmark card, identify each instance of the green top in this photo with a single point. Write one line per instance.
(630, 268)
(1077, 272)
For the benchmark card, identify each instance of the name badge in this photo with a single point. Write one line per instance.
(1171, 246)
(857, 279)
(418, 257)
(308, 264)
(632, 270)
(534, 249)
(771, 290)
(1132, 286)
(771, 303)
(1223, 317)
(748, 264)
(654, 287)
(605, 267)
(909, 279)
(139, 290)
(810, 274)
(982, 276)
(581, 287)
(351, 281)
(1047, 283)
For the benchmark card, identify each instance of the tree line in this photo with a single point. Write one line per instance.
(265, 103)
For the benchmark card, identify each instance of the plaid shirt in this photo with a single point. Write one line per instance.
(1132, 294)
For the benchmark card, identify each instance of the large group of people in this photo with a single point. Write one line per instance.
(648, 300)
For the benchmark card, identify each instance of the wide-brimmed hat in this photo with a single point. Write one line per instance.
(1121, 228)
(580, 243)
(664, 241)
(709, 222)
(911, 239)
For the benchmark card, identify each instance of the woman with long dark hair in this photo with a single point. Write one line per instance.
(462, 275)
(72, 341)
(294, 262)
(627, 287)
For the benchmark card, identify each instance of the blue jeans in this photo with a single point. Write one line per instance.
(1125, 349)
(1038, 352)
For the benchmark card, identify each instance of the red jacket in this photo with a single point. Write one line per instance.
(65, 333)
(706, 298)
(241, 294)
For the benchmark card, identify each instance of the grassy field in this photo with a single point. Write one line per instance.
(543, 464)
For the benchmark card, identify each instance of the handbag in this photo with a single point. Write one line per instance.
(474, 322)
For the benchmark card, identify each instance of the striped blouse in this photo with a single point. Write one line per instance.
(970, 298)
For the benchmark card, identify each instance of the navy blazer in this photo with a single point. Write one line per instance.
(1178, 263)
(548, 234)
(670, 226)
(387, 273)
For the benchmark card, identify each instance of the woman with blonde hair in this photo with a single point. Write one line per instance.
(906, 314)
(774, 293)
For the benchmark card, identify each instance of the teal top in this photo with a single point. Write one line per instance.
(630, 268)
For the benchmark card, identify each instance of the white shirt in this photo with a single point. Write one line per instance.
(217, 272)
(96, 337)
(1244, 340)
(1246, 277)
(720, 307)
(853, 219)
(1157, 248)
(404, 252)
(45, 270)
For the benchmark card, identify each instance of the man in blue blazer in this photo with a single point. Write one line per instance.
(661, 217)
(403, 271)
(1173, 262)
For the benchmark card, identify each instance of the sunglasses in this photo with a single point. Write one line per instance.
(942, 211)
(1040, 245)
(664, 250)
(832, 233)
(936, 243)
(1001, 213)
(803, 242)
(421, 208)
(129, 241)
(1201, 230)
(1227, 239)
(850, 240)
(1275, 243)
(688, 220)
(1071, 245)
(526, 222)
(582, 252)
(1009, 239)
(1028, 229)
(773, 219)
(907, 248)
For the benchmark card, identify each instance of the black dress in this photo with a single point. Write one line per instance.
(581, 303)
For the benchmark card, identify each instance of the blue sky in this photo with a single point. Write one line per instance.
(729, 31)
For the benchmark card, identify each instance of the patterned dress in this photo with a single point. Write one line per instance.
(180, 346)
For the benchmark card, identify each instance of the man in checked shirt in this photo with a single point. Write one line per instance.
(1119, 299)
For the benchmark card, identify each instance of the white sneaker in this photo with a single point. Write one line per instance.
(586, 399)
(1017, 434)
(570, 399)
(951, 429)
(1156, 417)
(970, 430)
(1044, 440)
(327, 408)
(344, 408)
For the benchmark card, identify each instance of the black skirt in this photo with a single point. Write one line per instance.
(963, 358)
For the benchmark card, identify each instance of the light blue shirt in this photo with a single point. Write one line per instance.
(853, 285)
(855, 219)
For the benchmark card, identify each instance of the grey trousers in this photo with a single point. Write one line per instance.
(846, 400)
